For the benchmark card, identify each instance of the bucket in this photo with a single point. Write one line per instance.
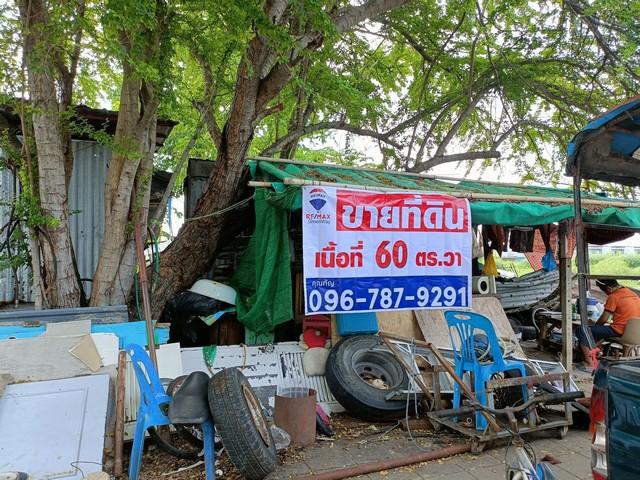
(295, 413)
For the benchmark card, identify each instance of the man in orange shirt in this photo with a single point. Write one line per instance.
(622, 304)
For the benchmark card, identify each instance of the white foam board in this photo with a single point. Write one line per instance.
(49, 428)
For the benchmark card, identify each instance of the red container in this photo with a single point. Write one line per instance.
(295, 413)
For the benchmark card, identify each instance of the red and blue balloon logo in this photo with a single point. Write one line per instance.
(317, 198)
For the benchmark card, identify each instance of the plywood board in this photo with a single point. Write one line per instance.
(85, 351)
(48, 358)
(401, 323)
(434, 326)
(63, 329)
(65, 426)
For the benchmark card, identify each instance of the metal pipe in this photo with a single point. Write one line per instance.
(448, 367)
(118, 435)
(416, 377)
(389, 464)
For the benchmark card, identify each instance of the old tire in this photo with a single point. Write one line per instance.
(241, 424)
(354, 365)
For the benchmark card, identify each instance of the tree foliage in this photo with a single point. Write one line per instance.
(419, 83)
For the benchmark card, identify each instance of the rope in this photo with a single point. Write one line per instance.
(239, 204)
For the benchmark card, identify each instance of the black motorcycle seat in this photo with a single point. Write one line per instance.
(190, 403)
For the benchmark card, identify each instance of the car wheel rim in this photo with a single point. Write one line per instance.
(377, 369)
(256, 414)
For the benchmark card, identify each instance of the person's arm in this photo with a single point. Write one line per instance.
(604, 317)
(609, 308)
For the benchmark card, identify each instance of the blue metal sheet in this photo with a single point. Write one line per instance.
(601, 121)
(130, 332)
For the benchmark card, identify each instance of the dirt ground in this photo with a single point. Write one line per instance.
(358, 442)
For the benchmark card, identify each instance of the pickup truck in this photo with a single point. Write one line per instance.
(615, 419)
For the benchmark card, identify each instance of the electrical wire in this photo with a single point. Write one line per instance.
(75, 465)
(222, 211)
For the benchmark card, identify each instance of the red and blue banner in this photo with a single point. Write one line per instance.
(375, 251)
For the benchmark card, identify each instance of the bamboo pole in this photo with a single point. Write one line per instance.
(468, 195)
(421, 176)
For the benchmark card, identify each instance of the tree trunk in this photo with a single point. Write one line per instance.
(259, 80)
(140, 213)
(191, 252)
(119, 190)
(60, 281)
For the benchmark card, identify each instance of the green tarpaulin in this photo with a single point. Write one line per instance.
(263, 278)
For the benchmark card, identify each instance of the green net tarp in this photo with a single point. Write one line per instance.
(263, 277)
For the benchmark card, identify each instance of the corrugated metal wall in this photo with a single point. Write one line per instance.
(12, 283)
(86, 204)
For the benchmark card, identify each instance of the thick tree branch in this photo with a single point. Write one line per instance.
(264, 113)
(159, 214)
(455, 157)
(316, 127)
(348, 17)
(212, 126)
(466, 113)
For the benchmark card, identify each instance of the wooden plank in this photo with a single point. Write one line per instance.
(335, 337)
(107, 314)
(401, 322)
(435, 331)
(48, 358)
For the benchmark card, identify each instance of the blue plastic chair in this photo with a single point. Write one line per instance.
(468, 325)
(154, 403)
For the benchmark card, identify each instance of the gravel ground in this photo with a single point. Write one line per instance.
(157, 464)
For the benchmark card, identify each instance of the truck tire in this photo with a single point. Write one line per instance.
(361, 376)
(240, 422)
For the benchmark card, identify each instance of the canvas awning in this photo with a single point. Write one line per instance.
(491, 203)
(609, 146)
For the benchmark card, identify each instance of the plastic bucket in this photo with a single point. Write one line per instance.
(295, 413)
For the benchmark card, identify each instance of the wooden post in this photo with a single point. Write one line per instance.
(581, 253)
(119, 432)
(144, 287)
(565, 307)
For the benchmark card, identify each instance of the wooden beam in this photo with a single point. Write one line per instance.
(468, 195)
